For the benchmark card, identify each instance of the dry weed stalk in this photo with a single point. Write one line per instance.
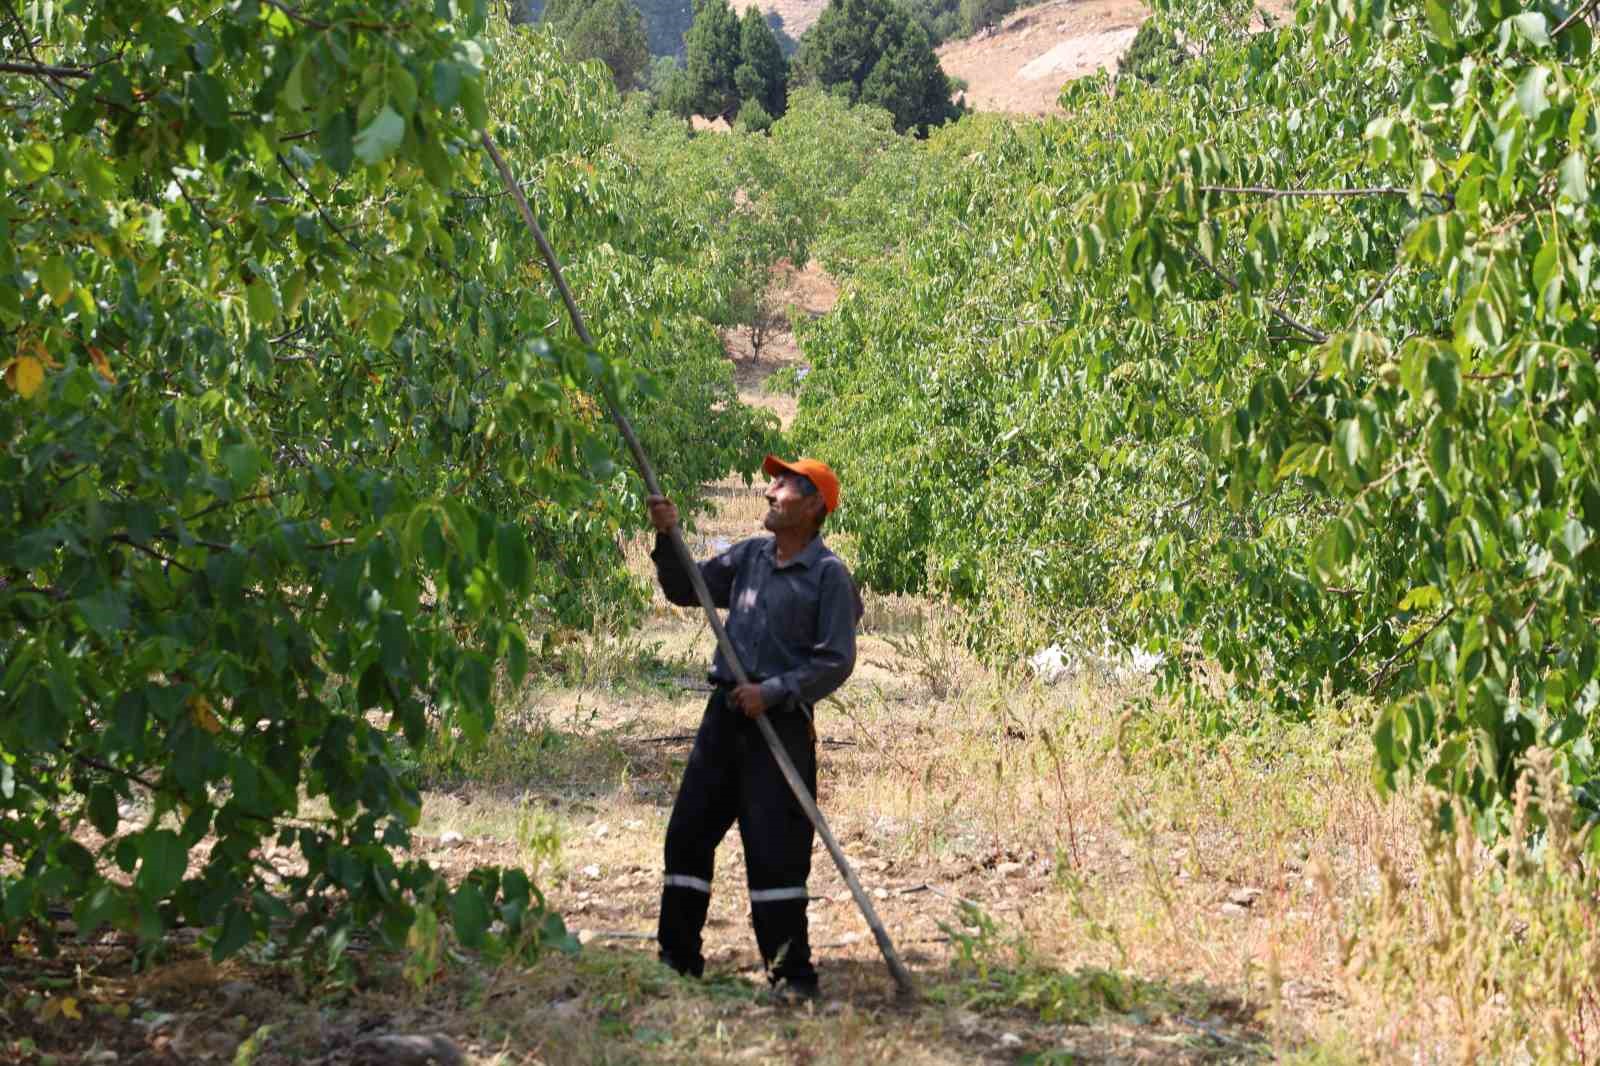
(1495, 949)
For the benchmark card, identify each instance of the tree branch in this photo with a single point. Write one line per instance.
(220, 504)
(43, 70)
(321, 212)
(1381, 676)
(1377, 292)
(123, 538)
(1575, 16)
(1309, 332)
(1335, 194)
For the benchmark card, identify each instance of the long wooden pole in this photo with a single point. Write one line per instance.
(902, 976)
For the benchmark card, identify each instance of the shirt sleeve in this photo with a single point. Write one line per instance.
(718, 572)
(833, 656)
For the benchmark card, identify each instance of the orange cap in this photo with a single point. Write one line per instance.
(826, 481)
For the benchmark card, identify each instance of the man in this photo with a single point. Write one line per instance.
(792, 616)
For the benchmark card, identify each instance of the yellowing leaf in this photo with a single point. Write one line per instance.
(102, 364)
(204, 717)
(25, 374)
(65, 1007)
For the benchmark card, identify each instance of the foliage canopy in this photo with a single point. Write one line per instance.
(297, 462)
(1283, 364)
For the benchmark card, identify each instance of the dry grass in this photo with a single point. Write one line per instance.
(1138, 887)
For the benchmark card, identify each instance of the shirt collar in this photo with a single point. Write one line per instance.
(805, 557)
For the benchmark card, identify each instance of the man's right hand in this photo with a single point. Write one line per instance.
(663, 513)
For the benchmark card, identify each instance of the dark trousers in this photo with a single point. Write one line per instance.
(731, 777)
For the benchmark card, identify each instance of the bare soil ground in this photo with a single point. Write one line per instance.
(796, 16)
(1020, 66)
(795, 295)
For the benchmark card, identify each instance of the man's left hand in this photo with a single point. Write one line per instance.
(749, 700)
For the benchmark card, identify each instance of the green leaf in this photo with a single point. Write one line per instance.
(294, 92)
(384, 320)
(402, 90)
(103, 813)
(209, 98)
(1574, 538)
(381, 137)
(56, 277)
(469, 912)
(1444, 379)
(1351, 446)
(446, 83)
(32, 161)
(514, 559)
(1531, 91)
(244, 464)
(338, 151)
(162, 862)
(1533, 28)
(106, 612)
(1573, 180)
(261, 301)
(1440, 20)
(237, 930)
(1441, 447)
(472, 102)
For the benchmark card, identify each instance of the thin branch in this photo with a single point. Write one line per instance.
(1575, 16)
(1309, 332)
(1368, 635)
(1377, 292)
(123, 538)
(43, 70)
(1335, 194)
(27, 43)
(1381, 676)
(321, 212)
(90, 760)
(219, 505)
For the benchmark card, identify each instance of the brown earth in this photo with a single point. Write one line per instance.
(795, 16)
(1020, 66)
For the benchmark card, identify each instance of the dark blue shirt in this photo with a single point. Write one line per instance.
(793, 625)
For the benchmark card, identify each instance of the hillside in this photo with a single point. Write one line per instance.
(1021, 65)
(794, 17)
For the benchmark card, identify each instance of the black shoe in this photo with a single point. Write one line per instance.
(684, 969)
(792, 992)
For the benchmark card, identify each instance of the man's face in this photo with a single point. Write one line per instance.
(792, 503)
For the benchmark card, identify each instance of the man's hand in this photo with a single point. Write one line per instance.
(749, 700)
(663, 513)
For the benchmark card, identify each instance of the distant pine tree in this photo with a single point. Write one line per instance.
(712, 47)
(877, 54)
(611, 31)
(763, 73)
